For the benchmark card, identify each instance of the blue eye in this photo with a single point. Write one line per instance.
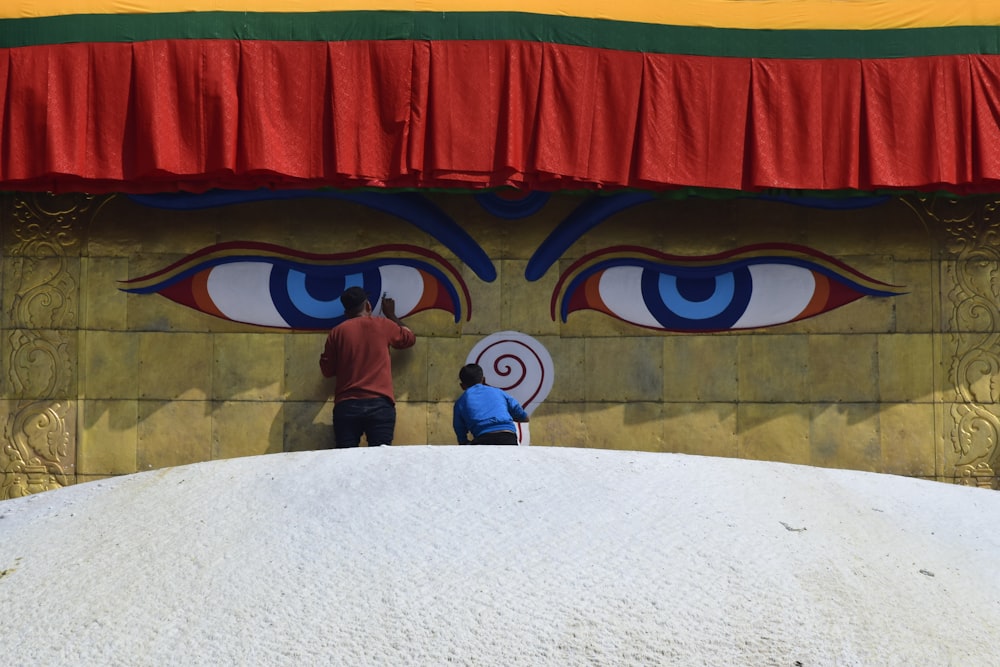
(753, 287)
(270, 286)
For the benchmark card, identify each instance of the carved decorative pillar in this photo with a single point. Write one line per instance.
(42, 239)
(969, 233)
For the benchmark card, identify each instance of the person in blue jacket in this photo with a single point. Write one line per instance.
(486, 412)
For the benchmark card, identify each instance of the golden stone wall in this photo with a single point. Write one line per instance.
(100, 382)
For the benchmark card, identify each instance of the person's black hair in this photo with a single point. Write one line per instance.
(470, 374)
(353, 299)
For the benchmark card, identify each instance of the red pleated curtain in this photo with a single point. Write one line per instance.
(200, 114)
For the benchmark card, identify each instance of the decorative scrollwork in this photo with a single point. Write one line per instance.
(37, 454)
(972, 265)
(43, 288)
(45, 294)
(48, 225)
(39, 365)
(42, 236)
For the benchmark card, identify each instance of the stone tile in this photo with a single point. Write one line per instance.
(629, 369)
(773, 369)
(108, 441)
(593, 324)
(760, 221)
(843, 368)
(569, 370)
(105, 306)
(303, 380)
(897, 229)
(524, 236)
(248, 366)
(486, 299)
(371, 228)
(109, 365)
(918, 310)
(307, 226)
(439, 423)
(628, 426)
(308, 425)
(434, 324)
(642, 428)
(949, 295)
(948, 427)
(114, 232)
(444, 358)
(705, 429)
(845, 435)
(891, 228)
(643, 225)
(869, 314)
(247, 428)
(945, 365)
(173, 433)
(560, 425)
(411, 424)
(410, 373)
(700, 368)
(908, 441)
(774, 432)
(486, 230)
(602, 424)
(525, 306)
(175, 366)
(906, 368)
(152, 312)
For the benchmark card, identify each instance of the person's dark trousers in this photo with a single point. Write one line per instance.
(496, 438)
(375, 418)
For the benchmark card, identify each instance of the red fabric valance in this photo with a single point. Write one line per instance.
(193, 115)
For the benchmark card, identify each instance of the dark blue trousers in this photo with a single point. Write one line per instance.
(375, 418)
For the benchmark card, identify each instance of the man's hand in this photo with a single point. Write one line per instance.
(389, 307)
(389, 310)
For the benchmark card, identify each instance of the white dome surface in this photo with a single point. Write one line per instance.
(501, 556)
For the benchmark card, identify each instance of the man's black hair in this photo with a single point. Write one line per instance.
(471, 374)
(353, 300)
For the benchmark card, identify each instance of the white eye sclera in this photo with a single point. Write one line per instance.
(743, 293)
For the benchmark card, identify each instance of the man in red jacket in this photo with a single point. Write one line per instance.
(357, 353)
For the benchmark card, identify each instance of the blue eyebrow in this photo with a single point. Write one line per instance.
(597, 209)
(585, 217)
(411, 207)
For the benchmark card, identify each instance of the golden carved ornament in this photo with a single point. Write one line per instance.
(37, 453)
(970, 258)
(43, 234)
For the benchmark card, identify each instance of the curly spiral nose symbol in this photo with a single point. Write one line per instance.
(518, 364)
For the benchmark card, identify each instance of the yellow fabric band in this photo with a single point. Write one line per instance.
(748, 14)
